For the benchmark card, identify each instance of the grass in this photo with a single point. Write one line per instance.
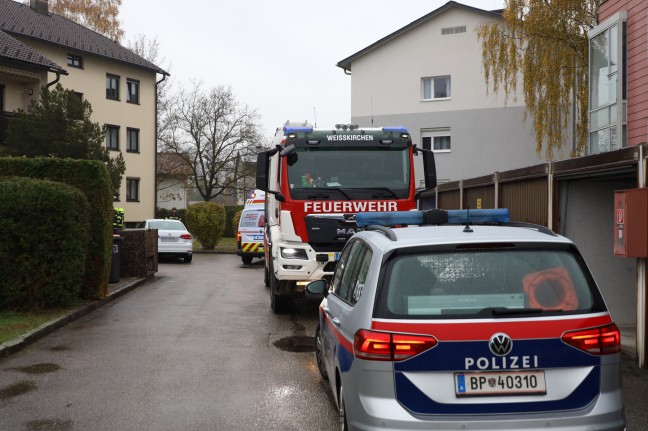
(226, 244)
(14, 324)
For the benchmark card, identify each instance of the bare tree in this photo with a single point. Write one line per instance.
(215, 132)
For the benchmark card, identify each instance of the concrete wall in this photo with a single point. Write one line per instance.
(587, 217)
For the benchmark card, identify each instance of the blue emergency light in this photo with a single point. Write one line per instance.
(297, 129)
(397, 129)
(399, 218)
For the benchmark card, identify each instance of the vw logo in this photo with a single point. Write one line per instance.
(500, 344)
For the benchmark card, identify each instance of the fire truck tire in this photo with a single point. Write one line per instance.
(278, 303)
(266, 277)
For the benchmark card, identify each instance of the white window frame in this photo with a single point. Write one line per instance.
(432, 79)
(610, 116)
(437, 133)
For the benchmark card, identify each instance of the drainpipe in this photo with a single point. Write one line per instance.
(155, 178)
(58, 77)
(642, 294)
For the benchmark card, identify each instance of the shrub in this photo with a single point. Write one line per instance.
(206, 221)
(45, 238)
(235, 221)
(230, 226)
(92, 178)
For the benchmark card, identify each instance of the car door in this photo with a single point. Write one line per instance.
(340, 302)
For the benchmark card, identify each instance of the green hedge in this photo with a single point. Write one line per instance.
(44, 243)
(206, 222)
(92, 178)
(231, 226)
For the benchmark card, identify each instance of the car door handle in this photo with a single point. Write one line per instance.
(335, 321)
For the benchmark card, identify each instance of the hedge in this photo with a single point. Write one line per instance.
(92, 178)
(45, 238)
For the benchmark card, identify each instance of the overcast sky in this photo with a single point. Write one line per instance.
(278, 56)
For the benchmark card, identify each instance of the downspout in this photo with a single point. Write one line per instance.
(155, 178)
(58, 77)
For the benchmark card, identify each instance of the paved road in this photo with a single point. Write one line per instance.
(197, 349)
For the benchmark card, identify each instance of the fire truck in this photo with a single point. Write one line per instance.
(316, 181)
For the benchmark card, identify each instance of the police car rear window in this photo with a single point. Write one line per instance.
(486, 283)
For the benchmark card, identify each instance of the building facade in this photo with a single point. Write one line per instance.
(119, 84)
(428, 77)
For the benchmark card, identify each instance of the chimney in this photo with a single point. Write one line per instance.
(40, 6)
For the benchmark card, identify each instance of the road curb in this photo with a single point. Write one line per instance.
(24, 340)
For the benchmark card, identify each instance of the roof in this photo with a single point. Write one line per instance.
(17, 19)
(13, 50)
(346, 63)
(416, 236)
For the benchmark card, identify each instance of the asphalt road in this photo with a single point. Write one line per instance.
(196, 349)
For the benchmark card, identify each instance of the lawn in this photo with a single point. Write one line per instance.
(14, 324)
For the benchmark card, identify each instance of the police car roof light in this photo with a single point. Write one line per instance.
(399, 218)
(297, 129)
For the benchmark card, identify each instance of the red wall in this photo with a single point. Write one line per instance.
(637, 63)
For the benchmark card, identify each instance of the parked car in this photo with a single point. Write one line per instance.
(481, 325)
(173, 238)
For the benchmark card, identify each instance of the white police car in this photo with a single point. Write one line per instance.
(481, 325)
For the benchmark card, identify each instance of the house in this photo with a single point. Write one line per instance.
(38, 48)
(173, 174)
(428, 77)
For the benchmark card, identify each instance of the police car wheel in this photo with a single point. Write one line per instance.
(246, 259)
(319, 354)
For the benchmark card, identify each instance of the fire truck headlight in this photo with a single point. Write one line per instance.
(293, 253)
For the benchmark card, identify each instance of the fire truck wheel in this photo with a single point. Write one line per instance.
(278, 303)
(266, 277)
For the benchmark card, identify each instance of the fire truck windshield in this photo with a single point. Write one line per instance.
(350, 172)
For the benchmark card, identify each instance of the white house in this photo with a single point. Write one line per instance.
(428, 77)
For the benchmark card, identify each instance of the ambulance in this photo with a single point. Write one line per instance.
(249, 237)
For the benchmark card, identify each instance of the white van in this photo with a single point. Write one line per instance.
(249, 237)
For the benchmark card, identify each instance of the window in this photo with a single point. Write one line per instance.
(349, 280)
(607, 70)
(112, 87)
(436, 88)
(132, 86)
(132, 189)
(112, 137)
(437, 140)
(79, 96)
(132, 140)
(75, 61)
(453, 30)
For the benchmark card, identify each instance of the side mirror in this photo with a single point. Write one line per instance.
(262, 170)
(429, 170)
(318, 287)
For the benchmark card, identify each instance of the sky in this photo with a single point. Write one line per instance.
(278, 57)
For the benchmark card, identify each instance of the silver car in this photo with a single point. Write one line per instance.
(173, 238)
(482, 325)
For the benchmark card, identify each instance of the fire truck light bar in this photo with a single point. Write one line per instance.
(297, 129)
(400, 218)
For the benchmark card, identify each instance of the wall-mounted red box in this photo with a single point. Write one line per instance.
(631, 223)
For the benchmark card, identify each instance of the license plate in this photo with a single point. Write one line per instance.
(168, 239)
(500, 383)
(334, 256)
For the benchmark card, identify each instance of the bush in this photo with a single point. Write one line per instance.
(235, 221)
(45, 238)
(92, 178)
(230, 226)
(206, 221)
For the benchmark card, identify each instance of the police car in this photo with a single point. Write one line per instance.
(250, 232)
(466, 321)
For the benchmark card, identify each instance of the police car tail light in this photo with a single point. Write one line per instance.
(238, 237)
(383, 346)
(185, 236)
(603, 340)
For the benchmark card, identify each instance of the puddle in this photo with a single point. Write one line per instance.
(296, 343)
(17, 389)
(38, 368)
(49, 425)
